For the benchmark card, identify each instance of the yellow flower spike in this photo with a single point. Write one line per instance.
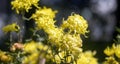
(76, 23)
(23, 5)
(11, 28)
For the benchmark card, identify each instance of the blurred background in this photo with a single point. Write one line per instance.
(102, 17)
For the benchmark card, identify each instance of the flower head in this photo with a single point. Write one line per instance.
(23, 5)
(47, 13)
(11, 27)
(30, 47)
(110, 60)
(31, 59)
(117, 51)
(43, 23)
(76, 23)
(110, 50)
(87, 57)
(4, 57)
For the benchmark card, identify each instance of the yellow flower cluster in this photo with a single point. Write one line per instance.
(72, 43)
(110, 60)
(87, 58)
(113, 50)
(33, 46)
(30, 47)
(11, 27)
(55, 36)
(46, 13)
(35, 49)
(44, 18)
(75, 23)
(23, 5)
(31, 59)
(62, 46)
(5, 57)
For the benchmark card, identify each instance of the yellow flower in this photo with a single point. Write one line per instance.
(30, 47)
(23, 5)
(117, 51)
(76, 23)
(54, 36)
(58, 57)
(5, 57)
(42, 47)
(110, 51)
(87, 58)
(110, 60)
(43, 23)
(44, 13)
(11, 27)
(49, 55)
(31, 59)
(69, 59)
(44, 18)
(72, 41)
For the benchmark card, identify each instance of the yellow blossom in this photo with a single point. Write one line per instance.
(59, 57)
(87, 58)
(72, 41)
(30, 47)
(5, 57)
(49, 55)
(43, 23)
(54, 35)
(42, 47)
(117, 51)
(110, 51)
(11, 27)
(69, 59)
(76, 24)
(44, 18)
(31, 59)
(23, 5)
(44, 13)
(110, 60)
